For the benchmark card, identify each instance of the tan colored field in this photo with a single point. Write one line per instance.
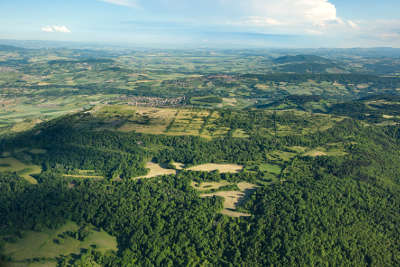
(233, 198)
(166, 121)
(222, 168)
(299, 149)
(262, 86)
(315, 153)
(229, 101)
(159, 120)
(178, 165)
(243, 186)
(156, 170)
(24, 170)
(83, 176)
(239, 133)
(209, 185)
(387, 116)
(23, 126)
(362, 86)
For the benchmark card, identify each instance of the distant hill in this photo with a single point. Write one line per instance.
(10, 48)
(301, 58)
(306, 64)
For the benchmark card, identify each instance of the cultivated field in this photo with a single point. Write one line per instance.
(168, 121)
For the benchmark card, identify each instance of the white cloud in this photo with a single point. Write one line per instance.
(261, 21)
(128, 3)
(353, 24)
(56, 28)
(315, 12)
(310, 17)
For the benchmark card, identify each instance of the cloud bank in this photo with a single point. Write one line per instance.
(128, 3)
(55, 28)
(310, 18)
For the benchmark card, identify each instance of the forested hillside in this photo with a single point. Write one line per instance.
(199, 158)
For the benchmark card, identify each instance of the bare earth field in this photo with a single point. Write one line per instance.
(222, 168)
(156, 170)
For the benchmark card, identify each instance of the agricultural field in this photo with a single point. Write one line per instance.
(252, 149)
(167, 121)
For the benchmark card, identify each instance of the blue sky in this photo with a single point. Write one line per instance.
(205, 23)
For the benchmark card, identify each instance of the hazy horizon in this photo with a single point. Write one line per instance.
(205, 24)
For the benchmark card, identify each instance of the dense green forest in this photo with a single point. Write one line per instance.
(337, 210)
(199, 158)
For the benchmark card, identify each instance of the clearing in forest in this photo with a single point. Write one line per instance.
(222, 168)
(51, 244)
(38, 151)
(84, 174)
(22, 169)
(156, 170)
(178, 165)
(209, 185)
(233, 198)
(315, 153)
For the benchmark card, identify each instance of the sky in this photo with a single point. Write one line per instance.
(206, 23)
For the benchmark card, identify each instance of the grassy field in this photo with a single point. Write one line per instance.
(274, 169)
(10, 164)
(84, 174)
(209, 185)
(51, 244)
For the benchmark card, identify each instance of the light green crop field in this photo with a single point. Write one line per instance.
(167, 121)
(10, 164)
(274, 169)
(51, 244)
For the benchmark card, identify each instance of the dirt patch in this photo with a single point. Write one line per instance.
(222, 168)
